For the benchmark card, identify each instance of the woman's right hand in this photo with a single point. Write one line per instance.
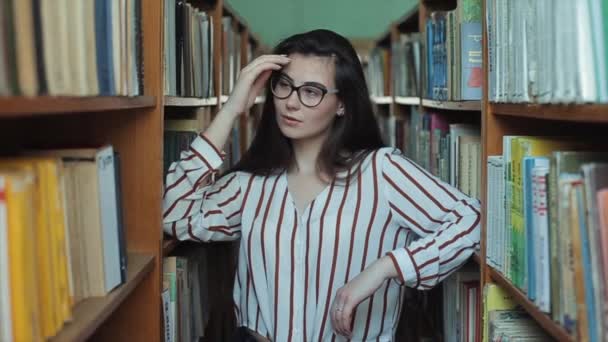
(251, 81)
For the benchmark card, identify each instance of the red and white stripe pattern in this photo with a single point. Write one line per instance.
(291, 264)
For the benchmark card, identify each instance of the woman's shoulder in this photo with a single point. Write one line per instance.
(373, 157)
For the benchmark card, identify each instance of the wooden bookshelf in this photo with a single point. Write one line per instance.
(591, 113)
(452, 105)
(407, 101)
(92, 313)
(221, 324)
(175, 101)
(551, 327)
(45, 105)
(382, 100)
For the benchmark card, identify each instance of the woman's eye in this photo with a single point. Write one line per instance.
(312, 92)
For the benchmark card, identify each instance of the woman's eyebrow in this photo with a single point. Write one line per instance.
(310, 83)
(316, 84)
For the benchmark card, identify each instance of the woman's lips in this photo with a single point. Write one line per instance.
(290, 120)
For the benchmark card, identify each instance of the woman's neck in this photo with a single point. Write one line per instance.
(306, 152)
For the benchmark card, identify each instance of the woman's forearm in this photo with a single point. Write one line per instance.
(220, 128)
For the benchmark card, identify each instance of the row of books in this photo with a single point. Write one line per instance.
(71, 47)
(181, 129)
(185, 295)
(179, 134)
(471, 314)
(450, 151)
(453, 53)
(504, 320)
(406, 65)
(188, 50)
(61, 237)
(231, 54)
(461, 309)
(547, 51)
(546, 227)
(377, 72)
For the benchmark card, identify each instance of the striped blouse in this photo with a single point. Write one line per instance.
(291, 263)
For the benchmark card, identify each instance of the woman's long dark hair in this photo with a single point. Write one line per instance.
(356, 132)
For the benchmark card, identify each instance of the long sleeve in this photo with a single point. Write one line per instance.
(195, 208)
(446, 221)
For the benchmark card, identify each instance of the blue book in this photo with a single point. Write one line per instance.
(429, 58)
(530, 272)
(104, 47)
(471, 60)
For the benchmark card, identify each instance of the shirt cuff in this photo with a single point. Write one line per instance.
(210, 154)
(406, 267)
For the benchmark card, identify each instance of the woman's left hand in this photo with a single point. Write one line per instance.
(357, 290)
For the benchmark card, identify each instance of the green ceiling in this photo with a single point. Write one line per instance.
(274, 20)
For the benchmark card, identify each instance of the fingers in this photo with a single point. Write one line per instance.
(341, 314)
(335, 319)
(277, 59)
(259, 83)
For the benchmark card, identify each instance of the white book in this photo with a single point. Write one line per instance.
(500, 211)
(540, 221)
(506, 229)
(586, 66)
(77, 47)
(88, 27)
(6, 329)
(116, 46)
(598, 49)
(4, 78)
(166, 298)
(457, 130)
(63, 50)
(546, 49)
(490, 190)
(109, 216)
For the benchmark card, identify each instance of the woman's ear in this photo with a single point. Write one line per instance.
(340, 111)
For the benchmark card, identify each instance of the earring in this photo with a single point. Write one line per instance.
(340, 112)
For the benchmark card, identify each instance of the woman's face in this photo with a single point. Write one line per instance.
(296, 120)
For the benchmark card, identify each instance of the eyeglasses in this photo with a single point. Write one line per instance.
(309, 93)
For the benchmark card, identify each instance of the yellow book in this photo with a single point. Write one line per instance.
(55, 304)
(495, 298)
(44, 242)
(582, 321)
(22, 263)
(59, 222)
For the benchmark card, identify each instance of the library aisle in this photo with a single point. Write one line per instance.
(507, 101)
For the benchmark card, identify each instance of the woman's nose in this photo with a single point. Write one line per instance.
(293, 102)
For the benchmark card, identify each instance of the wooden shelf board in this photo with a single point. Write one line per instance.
(580, 113)
(92, 312)
(175, 101)
(551, 327)
(407, 100)
(452, 105)
(169, 245)
(382, 100)
(17, 106)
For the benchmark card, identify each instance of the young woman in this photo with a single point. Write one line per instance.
(332, 224)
